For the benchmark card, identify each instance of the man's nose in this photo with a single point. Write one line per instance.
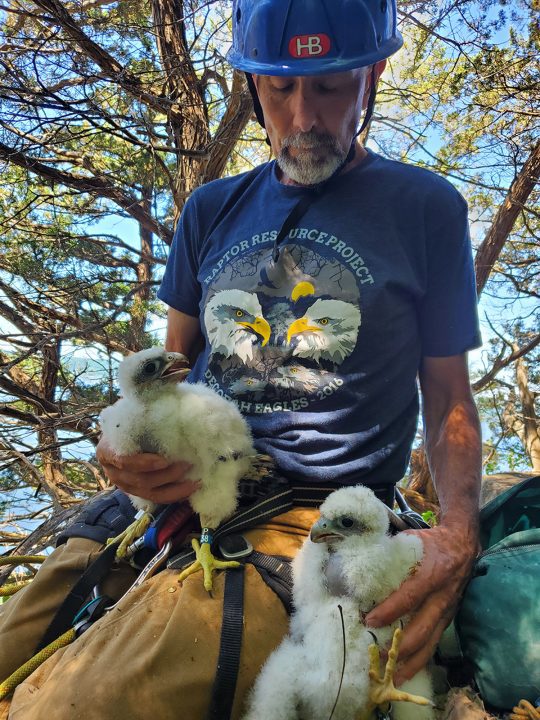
(304, 110)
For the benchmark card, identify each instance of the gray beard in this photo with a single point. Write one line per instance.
(308, 167)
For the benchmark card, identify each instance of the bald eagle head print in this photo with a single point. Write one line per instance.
(235, 324)
(327, 331)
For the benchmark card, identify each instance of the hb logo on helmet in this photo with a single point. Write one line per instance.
(303, 46)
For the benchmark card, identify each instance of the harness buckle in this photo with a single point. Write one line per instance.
(234, 547)
(90, 612)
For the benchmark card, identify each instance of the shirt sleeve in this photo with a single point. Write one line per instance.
(180, 288)
(448, 312)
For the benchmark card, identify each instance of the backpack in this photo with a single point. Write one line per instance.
(498, 621)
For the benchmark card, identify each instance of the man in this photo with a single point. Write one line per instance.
(311, 121)
(324, 285)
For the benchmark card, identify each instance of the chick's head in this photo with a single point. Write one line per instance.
(350, 512)
(150, 369)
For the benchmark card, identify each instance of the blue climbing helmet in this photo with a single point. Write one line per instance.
(311, 37)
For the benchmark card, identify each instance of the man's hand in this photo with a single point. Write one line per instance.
(147, 475)
(430, 595)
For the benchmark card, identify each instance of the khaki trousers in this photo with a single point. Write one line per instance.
(155, 654)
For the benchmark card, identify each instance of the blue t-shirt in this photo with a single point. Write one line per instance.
(321, 349)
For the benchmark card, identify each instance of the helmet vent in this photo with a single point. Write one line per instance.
(384, 6)
(239, 13)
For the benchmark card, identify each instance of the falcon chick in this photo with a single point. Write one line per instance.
(348, 565)
(187, 422)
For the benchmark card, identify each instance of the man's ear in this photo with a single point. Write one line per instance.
(376, 71)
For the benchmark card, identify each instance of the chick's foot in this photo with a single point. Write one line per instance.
(382, 690)
(133, 532)
(207, 562)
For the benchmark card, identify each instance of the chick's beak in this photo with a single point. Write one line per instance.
(177, 368)
(324, 531)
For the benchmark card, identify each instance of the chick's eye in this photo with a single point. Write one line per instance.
(347, 522)
(150, 368)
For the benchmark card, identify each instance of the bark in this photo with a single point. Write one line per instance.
(139, 308)
(188, 116)
(55, 482)
(529, 426)
(420, 492)
(506, 215)
(236, 117)
(502, 362)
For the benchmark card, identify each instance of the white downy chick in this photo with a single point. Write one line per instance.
(350, 561)
(180, 421)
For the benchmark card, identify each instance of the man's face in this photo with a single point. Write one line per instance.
(311, 121)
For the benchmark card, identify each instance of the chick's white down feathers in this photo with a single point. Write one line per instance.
(350, 561)
(180, 421)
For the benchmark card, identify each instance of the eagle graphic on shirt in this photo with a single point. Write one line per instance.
(280, 332)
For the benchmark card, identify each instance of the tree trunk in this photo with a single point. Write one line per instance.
(188, 118)
(139, 308)
(54, 480)
(236, 117)
(530, 426)
(506, 215)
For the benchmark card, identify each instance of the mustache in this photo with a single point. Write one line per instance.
(310, 139)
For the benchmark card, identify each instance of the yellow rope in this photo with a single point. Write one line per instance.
(9, 590)
(525, 711)
(22, 559)
(9, 685)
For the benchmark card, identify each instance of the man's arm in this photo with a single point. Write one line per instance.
(453, 446)
(183, 332)
(148, 475)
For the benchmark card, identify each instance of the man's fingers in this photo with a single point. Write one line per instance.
(426, 627)
(409, 666)
(404, 601)
(142, 462)
(173, 492)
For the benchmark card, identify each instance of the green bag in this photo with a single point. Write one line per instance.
(498, 622)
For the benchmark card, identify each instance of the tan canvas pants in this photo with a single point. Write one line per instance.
(154, 655)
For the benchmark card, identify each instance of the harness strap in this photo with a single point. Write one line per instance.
(244, 519)
(223, 689)
(77, 595)
(276, 572)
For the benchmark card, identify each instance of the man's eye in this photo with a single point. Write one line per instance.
(281, 88)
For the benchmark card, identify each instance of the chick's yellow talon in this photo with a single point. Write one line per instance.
(133, 532)
(382, 690)
(207, 562)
